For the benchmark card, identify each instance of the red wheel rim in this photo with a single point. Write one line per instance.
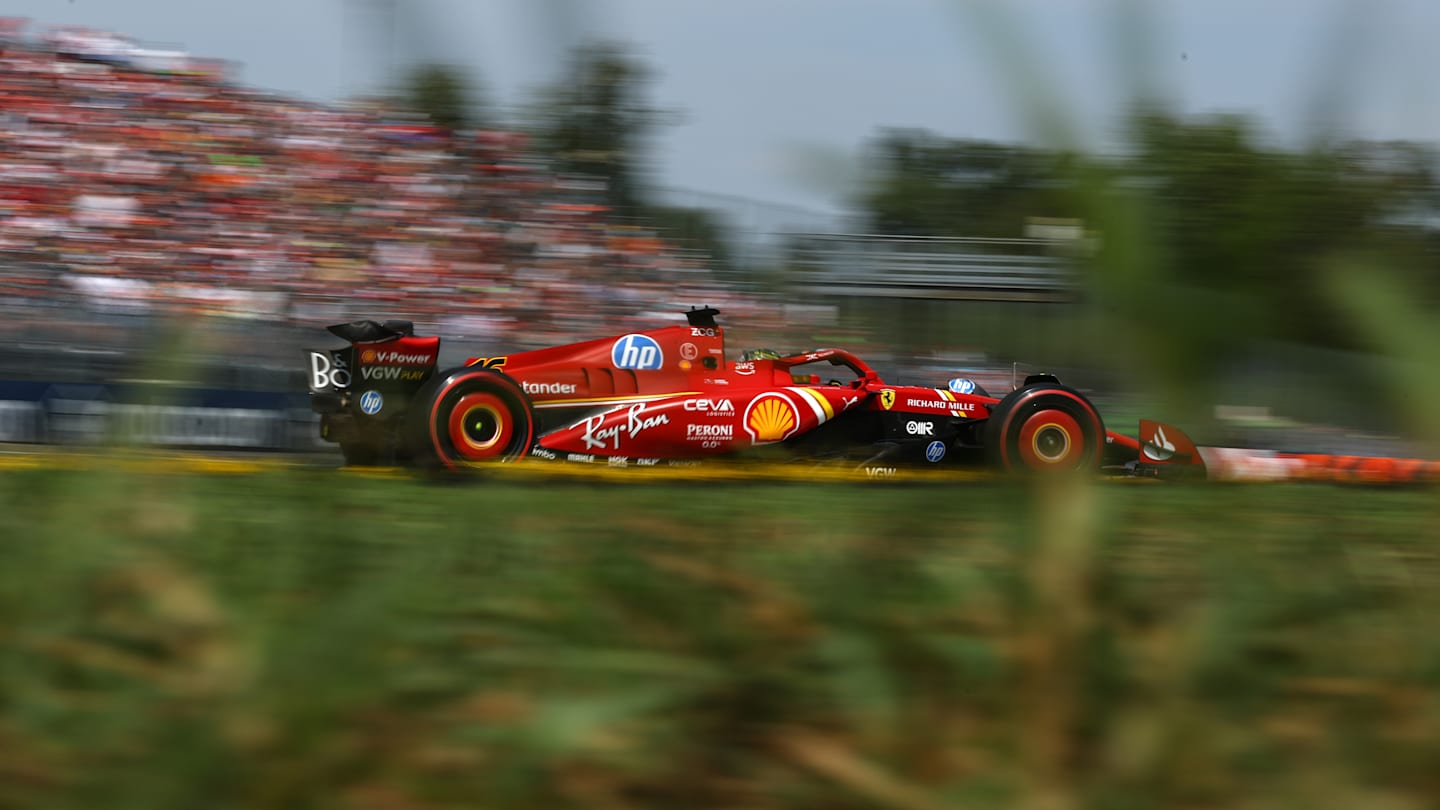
(1051, 439)
(480, 426)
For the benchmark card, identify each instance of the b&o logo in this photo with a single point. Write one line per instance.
(638, 352)
(371, 402)
(325, 374)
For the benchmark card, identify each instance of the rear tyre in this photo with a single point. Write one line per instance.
(1045, 427)
(466, 416)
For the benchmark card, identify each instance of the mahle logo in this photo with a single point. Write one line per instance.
(638, 352)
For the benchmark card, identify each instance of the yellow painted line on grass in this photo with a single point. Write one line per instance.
(143, 463)
(26, 462)
(525, 470)
(720, 472)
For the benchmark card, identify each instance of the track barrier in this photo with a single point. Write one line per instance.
(69, 418)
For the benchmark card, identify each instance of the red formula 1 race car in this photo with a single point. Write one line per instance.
(671, 397)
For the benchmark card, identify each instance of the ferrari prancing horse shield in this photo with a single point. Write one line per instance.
(887, 399)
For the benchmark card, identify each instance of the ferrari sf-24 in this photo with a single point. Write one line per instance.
(671, 396)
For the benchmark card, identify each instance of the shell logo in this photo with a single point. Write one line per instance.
(367, 356)
(771, 418)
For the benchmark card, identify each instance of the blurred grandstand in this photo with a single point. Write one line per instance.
(137, 182)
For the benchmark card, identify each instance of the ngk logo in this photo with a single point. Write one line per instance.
(394, 358)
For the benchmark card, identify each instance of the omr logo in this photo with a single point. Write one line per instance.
(638, 352)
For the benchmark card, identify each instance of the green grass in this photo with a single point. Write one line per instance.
(320, 640)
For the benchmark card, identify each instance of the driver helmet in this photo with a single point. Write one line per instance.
(760, 354)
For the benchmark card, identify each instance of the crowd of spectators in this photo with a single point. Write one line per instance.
(137, 179)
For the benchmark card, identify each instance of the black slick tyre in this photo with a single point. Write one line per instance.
(469, 416)
(1044, 428)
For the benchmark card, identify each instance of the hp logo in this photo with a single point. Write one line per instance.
(639, 352)
(934, 451)
(962, 385)
(371, 402)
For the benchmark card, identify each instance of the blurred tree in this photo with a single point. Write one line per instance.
(1239, 218)
(596, 121)
(1230, 217)
(926, 185)
(699, 229)
(443, 94)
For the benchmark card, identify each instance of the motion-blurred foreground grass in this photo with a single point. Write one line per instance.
(305, 640)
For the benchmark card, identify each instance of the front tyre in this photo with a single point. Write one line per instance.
(1045, 427)
(469, 415)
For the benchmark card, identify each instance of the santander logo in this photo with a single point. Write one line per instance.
(1158, 448)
